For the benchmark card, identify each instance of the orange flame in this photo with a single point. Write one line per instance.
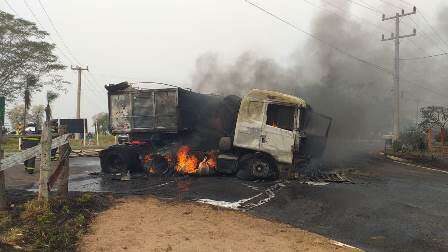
(186, 163)
(147, 158)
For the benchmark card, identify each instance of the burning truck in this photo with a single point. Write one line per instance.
(265, 134)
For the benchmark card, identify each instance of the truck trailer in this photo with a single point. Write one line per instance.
(264, 134)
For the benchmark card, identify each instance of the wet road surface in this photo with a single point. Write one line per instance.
(389, 207)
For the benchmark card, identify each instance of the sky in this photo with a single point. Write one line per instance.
(160, 40)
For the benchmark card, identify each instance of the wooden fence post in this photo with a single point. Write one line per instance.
(3, 199)
(97, 134)
(45, 161)
(63, 180)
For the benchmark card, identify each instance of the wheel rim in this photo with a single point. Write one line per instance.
(260, 169)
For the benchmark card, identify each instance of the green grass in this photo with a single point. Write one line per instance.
(105, 141)
(53, 226)
(12, 144)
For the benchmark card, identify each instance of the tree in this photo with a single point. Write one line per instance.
(24, 53)
(37, 115)
(16, 115)
(51, 97)
(31, 82)
(435, 116)
(102, 119)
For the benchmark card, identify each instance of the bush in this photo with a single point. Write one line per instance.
(412, 140)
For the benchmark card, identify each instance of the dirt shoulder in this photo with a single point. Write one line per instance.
(148, 224)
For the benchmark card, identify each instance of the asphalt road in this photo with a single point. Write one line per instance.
(389, 207)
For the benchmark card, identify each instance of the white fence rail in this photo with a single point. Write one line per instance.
(20, 157)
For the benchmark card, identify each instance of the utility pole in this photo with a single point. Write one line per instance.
(396, 37)
(78, 97)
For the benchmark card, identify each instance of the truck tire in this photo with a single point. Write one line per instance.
(119, 159)
(255, 167)
(114, 162)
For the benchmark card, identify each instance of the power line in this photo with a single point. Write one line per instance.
(319, 39)
(433, 29)
(364, 5)
(10, 6)
(96, 84)
(58, 33)
(426, 57)
(405, 2)
(51, 38)
(393, 5)
(426, 35)
(378, 67)
(406, 24)
(429, 38)
(376, 26)
(95, 90)
(64, 55)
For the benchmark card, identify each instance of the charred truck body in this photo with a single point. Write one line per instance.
(263, 135)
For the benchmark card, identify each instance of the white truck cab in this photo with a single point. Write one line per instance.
(269, 122)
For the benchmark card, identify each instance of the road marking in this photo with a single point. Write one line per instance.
(240, 204)
(403, 162)
(422, 167)
(236, 205)
(316, 183)
(340, 244)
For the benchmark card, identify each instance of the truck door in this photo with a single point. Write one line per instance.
(277, 136)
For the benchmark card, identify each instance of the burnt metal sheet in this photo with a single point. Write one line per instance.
(166, 109)
(135, 110)
(121, 111)
(143, 111)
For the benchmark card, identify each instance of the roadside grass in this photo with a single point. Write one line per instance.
(12, 144)
(105, 141)
(53, 226)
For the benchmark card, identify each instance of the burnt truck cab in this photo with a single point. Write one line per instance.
(259, 136)
(275, 133)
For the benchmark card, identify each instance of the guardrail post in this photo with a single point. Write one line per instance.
(45, 161)
(63, 182)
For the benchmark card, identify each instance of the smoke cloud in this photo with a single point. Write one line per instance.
(356, 95)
